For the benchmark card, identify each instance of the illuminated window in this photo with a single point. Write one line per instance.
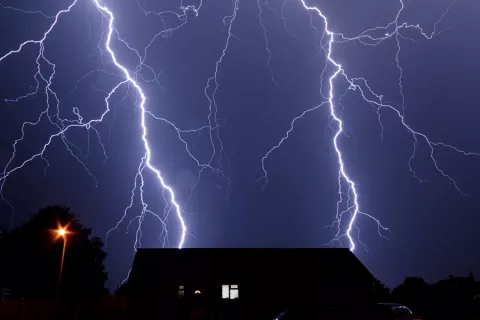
(225, 291)
(230, 291)
(181, 291)
(234, 292)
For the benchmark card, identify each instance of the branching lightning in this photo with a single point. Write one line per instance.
(132, 80)
(348, 201)
(44, 78)
(218, 158)
(147, 159)
(267, 46)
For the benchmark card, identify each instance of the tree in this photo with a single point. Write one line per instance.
(380, 292)
(415, 292)
(456, 295)
(31, 256)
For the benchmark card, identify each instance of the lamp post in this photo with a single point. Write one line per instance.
(61, 232)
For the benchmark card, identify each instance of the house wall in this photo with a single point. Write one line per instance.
(267, 284)
(259, 295)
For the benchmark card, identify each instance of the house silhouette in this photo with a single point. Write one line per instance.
(243, 283)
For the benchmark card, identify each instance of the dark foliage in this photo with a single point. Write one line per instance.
(31, 256)
(456, 294)
(412, 292)
(122, 290)
(380, 292)
(455, 297)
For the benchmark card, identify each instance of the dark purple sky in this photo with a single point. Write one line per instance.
(433, 226)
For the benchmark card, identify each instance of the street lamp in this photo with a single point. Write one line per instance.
(61, 232)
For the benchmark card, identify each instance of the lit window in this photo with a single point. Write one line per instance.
(225, 291)
(181, 291)
(230, 291)
(234, 291)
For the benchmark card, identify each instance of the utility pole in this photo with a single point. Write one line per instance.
(62, 232)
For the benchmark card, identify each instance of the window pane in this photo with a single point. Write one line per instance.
(225, 291)
(234, 286)
(233, 293)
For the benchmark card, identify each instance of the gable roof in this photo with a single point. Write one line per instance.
(332, 265)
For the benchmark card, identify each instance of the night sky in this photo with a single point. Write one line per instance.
(433, 226)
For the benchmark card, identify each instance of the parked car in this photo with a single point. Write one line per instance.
(381, 311)
(400, 311)
(326, 314)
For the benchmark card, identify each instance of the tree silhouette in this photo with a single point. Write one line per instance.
(31, 256)
(452, 298)
(456, 295)
(414, 292)
(380, 292)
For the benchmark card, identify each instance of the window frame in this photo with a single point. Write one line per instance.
(230, 291)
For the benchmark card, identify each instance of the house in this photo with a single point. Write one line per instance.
(243, 283)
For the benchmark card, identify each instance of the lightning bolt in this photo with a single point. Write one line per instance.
(267, 46)
(27, 11)
(127, 80)
(211, 89)
(348, 198)
(348, 206)
(147, 159)
(39, 77)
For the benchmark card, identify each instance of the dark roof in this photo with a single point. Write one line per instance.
(332, 264)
